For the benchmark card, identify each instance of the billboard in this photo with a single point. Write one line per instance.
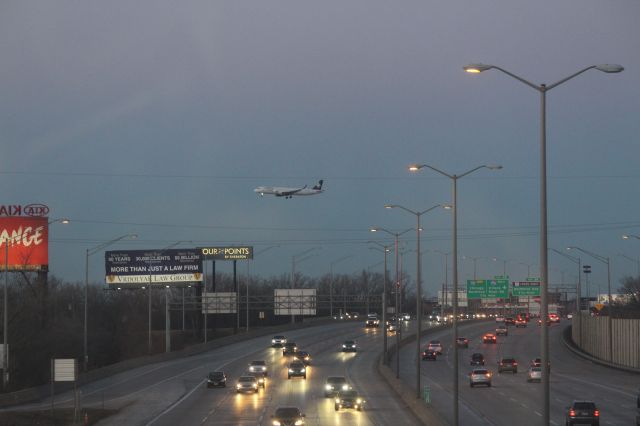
(294, 302)
(141, 267)
(27, 240)
(219, 303)
(227, 253)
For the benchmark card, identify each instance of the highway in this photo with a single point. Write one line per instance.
(175, 392)
(511, 398)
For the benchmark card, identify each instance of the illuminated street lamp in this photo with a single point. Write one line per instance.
(417, 214)
(544, 273)
(89, 252)
(397, 290)
(454, 202)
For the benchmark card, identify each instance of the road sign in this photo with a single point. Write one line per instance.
(476, 289)
(525, 288)
(498, 289)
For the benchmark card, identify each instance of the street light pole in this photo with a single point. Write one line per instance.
(385, 250)
(293, 275)
(544, 274)
(89, 252)
(331, 282)
(606, 261)
(397, 290)
(454, 201)
(417, 214)
(578, 261)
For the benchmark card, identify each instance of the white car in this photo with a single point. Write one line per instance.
(534, 374)
(278, 341)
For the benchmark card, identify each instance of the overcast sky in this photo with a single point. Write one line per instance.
(160, 117)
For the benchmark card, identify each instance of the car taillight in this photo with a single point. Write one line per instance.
(488, 375)
(572, 413)
(596, 413)
(515, 363)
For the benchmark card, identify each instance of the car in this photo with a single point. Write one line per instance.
(489, 338)
(258, 367)
(303, 356)
(247, 384)
(216, 379)
(372, 323)
(289, 348)
(502, 330)
(553, 317)
(508, 364)
(405, 317)
(534, 374)
(348, 399)
(569, 316)
(521, 322)
(372, 315)
(278, 341)
(499, 318)
(582, 412)
(429, 355)
(480, 376)
(462, 342)
(537, 362)
(509, 321)
(355, 315)
(477, 359)
(262, 380)
(335, 384)
(435, 346)
(287, 416)
(391, 328)
(349, 346)
(297, 369)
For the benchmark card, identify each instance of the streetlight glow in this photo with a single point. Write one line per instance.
(476, 68)
(610, 68)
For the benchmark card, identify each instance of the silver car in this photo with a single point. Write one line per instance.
(534, 374)
(480, 376)
(247, 384)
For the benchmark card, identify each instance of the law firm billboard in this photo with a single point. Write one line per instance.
(25, 239)
(141, 267)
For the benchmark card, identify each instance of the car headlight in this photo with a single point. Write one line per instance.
(250, 368)
(255, 385)
(276, 423)
(328, 387)
(298, 422)
(306, 358)
(337, 400)
(290, 370)
(359, 401)
(260, 380)
(345, 387)
(303, 370)
(273, 340)
(344, 346)
(264, 368)
(238, 386)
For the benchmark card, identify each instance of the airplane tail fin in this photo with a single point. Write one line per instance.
(319, 185)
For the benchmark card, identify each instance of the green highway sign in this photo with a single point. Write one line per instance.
(525, 288)
(487, 289)
(476, 289)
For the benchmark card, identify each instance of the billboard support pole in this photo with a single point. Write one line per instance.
(5, 329)
(235, 288)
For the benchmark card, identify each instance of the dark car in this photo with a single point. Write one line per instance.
(335, 384)
(348, 399)
(297, 369)
(583, 412)
(477, 359)
(288, 416)
(508, 364)
(349, 346)
(509, 321)
(489, 338)
(303, 356)
(216, 379)
(429, 355)
(289, 348)
(372, 323)
(462, 342)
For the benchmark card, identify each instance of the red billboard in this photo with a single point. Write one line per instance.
(26, 242)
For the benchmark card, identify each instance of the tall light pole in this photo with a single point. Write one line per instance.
(397, 290)
(454, 201)
(577, 261)
(385, 249)
(417, 214)
(544, 273)
(295, 258)
(89, 252)
(335, 262)
(636, 261)
(475, 264)
(446, 280)
(606, 261)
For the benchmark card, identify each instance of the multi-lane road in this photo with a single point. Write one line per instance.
(511, 399)
(175, 392)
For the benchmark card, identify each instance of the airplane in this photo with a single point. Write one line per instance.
(279, 191)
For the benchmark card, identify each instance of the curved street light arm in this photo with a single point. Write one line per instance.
(571, 258)
(602, 259)
(99, 247)
(551, 86)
